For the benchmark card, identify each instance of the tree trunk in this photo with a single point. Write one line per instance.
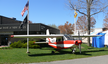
(88, 16)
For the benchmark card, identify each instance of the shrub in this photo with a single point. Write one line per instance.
(32, 45)
(24, 45)
(20, 44)
(5, 47)
(17, 44)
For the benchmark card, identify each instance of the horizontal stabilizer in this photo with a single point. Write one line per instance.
(40, 42)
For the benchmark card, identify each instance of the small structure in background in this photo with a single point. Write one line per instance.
(100, 42)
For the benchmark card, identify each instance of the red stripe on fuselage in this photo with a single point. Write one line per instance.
(58, 47)
(66, 42)
(54, 44)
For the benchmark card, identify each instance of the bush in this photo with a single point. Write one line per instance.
(24, 45)
(5, 48)
(32, 45)
(17, 44)
(20, 44)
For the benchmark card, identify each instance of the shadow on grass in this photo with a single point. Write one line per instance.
(87, 52)
(43, 54)
(66, 52)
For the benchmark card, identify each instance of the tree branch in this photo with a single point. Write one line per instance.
(100, 10)
(91, 2)
(71, 6)
(81, 12)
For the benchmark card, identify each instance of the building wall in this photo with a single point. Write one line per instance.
(9, 26)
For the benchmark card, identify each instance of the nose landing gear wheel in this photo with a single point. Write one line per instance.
(73, 51)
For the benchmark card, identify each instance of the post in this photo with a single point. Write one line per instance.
(75, 20)
(28, 30)
(75, 26)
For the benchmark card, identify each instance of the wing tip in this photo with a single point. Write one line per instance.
(12, 36)
(34, 42)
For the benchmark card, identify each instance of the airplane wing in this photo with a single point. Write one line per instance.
(35, 36)
(50, 36)
(86, 35)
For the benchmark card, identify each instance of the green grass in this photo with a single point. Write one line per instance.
(19, 55)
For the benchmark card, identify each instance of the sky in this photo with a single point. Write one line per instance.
(44, 11)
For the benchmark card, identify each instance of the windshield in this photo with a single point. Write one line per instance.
(68, 37)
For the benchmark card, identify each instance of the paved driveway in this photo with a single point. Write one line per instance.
(90, 60)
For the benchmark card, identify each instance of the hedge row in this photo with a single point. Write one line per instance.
(20, 44)
(5, 47)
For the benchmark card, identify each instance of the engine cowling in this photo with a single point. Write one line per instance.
(78, 42)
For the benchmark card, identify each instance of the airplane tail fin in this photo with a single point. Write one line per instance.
(47, 32)
(49, 39)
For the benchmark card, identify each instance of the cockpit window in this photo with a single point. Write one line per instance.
(59, 39)
(69, 37)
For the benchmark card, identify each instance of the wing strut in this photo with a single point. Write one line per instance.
(79, 44)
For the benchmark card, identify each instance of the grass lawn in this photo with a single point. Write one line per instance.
(19, 55)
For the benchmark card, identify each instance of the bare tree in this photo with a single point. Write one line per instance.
(88, 8)
(105, 23)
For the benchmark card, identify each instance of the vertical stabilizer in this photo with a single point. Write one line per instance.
(50, 39)
(47, 32)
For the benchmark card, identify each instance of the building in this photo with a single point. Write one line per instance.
(11, 26)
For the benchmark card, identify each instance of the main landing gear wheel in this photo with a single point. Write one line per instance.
(73, 51)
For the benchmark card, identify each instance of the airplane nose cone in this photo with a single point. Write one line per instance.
(76, 42)
(79, 42)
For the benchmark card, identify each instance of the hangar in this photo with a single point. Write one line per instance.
(11, 26)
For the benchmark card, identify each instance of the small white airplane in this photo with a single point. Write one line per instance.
(65, 41)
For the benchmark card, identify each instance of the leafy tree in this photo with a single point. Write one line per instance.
(81, 23)
(67, 28)
(88, 8)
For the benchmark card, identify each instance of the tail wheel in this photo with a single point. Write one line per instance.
(52, 52)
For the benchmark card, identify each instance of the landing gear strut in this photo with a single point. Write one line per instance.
(73, 51)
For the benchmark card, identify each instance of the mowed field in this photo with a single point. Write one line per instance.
(19, 55)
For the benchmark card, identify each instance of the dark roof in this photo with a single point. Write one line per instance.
(8, 24)
(6, 20)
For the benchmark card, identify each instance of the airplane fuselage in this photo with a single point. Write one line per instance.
(65, 44)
